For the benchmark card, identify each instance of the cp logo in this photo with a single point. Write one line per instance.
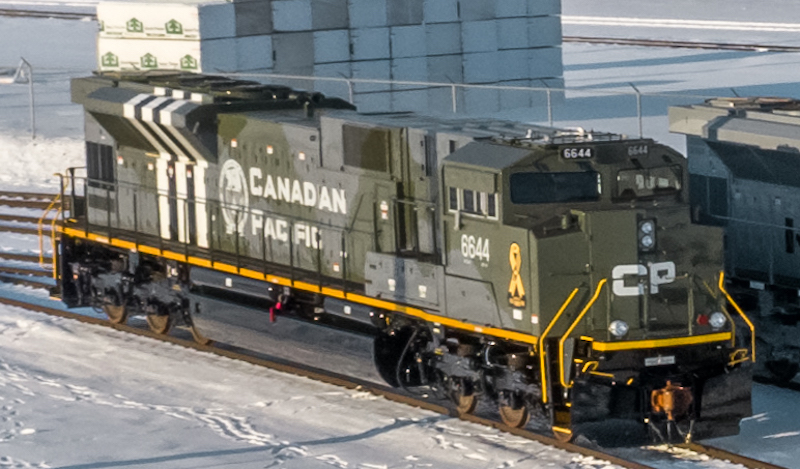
(655, 275)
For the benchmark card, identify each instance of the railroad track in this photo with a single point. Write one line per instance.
(64, 15)
(681, 44)
(391, 394)
(30, 200)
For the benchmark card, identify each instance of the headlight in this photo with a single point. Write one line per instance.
(717, 320)
(647, 235)
(618, 328)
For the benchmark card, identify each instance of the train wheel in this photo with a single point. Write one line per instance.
(159, 323)
(463, 395)
(563, 435)
(200, 338)
(117, 314)
(115, 309)
(513, 412)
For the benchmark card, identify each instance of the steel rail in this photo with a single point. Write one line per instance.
(5, 269)
(680, 44)
(63, 15)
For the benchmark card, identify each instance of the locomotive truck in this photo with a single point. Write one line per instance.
(548, 271)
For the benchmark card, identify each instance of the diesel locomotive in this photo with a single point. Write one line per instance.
(547, 271)
(743, 158)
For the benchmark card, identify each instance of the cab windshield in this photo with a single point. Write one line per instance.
(649, 182)
(544, 188)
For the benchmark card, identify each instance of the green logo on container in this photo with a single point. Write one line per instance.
(135, 26)
(109, 60)
(174, 27)
(149, 61)
(188, 63)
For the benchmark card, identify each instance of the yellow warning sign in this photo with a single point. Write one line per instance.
(516, 289)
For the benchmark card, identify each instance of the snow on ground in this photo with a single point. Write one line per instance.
(80, 396)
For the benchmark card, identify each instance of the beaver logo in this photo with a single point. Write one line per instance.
(234, 197)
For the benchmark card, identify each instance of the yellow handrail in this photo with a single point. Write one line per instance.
(541, 342)
(741, 313)
(40, 229)
(572, 328)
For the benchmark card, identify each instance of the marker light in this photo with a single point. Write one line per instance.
(717, 320)
(618, 328)
(647, 241)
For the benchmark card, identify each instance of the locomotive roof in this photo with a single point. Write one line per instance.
(761, 136)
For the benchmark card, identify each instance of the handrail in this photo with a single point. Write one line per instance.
(40, 228)
(741, 313)
(541, 342)
(54, 243)
(572, 328)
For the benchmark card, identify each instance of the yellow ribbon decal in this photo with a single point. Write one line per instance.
(516, 289)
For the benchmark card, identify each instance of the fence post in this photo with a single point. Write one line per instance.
(548, 93)
(638, 108)
(350, 91)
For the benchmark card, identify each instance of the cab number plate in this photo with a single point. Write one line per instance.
(658, 361)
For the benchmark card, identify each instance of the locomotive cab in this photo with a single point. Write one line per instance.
(604, 265)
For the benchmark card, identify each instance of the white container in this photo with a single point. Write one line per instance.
(477, 10)
(479, 36)
(212, 20)
(209, 56)
(481, 100)
(481, 67)
(408, 41)
(367, 13)
(331, 46)
(446, 69)
(329, 14)
(543, 7)
(513, 64)
(291, 15)
(546, 62)
(372, 69)
(293, 53)
(253, 18)
(512, 33)
(370, 44)
(404, 12)
(544, 31)
(443, 38)
(410, 101)
(309, 15)
(254, 53)
(440, 11)
(513, 99)
(511, 8)
(410, 69)
(336, 70)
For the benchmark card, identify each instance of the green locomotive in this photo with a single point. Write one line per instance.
(549, 271)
